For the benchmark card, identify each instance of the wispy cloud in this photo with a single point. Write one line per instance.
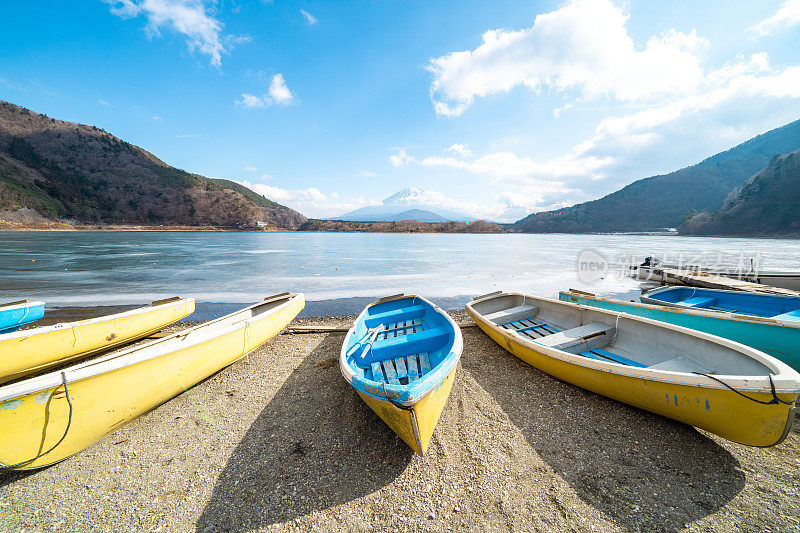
(104, 103)
(278, 93)
(12, 85)
(250, 168)
(367, 174)
(191, 18)
(158, 118)
(310, 19)
(788, 15)
(188, 135)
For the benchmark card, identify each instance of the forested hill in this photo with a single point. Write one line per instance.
(63, 170)
(663, 201)
(766, 205)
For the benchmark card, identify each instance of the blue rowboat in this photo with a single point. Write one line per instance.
(15, 314)
(778, 338)
(401, 356)
(743, 303)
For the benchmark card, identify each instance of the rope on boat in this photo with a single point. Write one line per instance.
(64, 436)
(773, 401)
(27, 310)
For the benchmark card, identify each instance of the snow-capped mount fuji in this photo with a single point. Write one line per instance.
(410, 203)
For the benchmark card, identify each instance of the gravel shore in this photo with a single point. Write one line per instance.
(279, 441)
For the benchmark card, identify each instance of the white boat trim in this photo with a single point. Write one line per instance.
(137, 354)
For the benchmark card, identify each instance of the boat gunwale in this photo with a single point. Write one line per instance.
(700, 311)
(106, 363)
(403, 395)
(783, 377)
(89, 321)
(22, 305)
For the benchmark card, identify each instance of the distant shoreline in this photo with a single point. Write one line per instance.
(63, 227)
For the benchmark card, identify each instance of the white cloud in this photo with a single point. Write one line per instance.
(367, 174)
(788, 15)
(104, 103)
(460, 149)
(310, 19)
(584, 46)
(278, 93)
(252, 101)
(191, 18)
(508, 166)
(400, 159)
(725, 89)
(158, 118)
(249, 168)
(310, 201)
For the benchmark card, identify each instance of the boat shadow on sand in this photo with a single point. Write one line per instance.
(315, 445)
(644, 471)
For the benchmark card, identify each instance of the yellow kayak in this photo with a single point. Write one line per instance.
(47, 418)
(28, 351)
(724, 387)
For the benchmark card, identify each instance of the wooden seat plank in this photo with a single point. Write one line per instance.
(391, 375)
(377, 372)
(412, 364)
(400, 364)
(424, 363)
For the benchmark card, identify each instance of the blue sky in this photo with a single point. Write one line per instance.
(494, 108)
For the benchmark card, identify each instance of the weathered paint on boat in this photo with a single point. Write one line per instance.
(411, 409)
(16, 314)
(779, 339)
(33, 350)
(424, 415)
(681, 395)
(113, 390)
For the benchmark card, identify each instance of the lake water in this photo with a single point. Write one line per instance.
(338, 272)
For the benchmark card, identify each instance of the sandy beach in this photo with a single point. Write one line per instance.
(279, 441)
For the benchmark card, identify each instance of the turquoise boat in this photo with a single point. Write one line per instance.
(16, 314)
(744, 303)
(779, 338)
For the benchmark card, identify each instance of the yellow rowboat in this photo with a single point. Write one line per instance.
(401, 357)
(47, 418)
(715, 384)
(28, 351)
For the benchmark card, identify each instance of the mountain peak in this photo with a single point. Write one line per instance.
(410, 203)
(406, 196)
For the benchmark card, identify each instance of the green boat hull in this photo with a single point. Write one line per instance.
(779, 340)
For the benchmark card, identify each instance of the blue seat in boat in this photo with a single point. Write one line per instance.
(605, 355)
(395, 315)
(531, 327)
(699, 301)
(790, 315)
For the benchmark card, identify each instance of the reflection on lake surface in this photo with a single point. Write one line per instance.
(105, 268)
